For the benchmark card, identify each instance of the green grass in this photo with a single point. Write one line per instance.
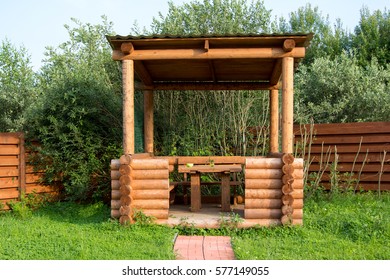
(336, 226)
(68, 231)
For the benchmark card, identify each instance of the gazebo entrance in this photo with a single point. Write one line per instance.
(273, 185)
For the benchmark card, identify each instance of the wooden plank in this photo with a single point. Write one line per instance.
(9, 171)
(350, 167)
(367, 186)
(364, 177)
(348, 158)
(9, 160)
(195, 192)
(350, 148)
(206, 159)
(226, 53)
(347, 128)
(10, 193)
(33, 178)
(36, 188)
(9, 182)
(352, 139)
(12, 149)
(9, 138)
(214, 86)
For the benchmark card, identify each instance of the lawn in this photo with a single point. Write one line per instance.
(68, 231)
(336, 226)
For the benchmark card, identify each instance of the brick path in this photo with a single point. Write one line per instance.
(203, 248)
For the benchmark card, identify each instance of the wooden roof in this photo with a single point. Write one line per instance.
(209, 62)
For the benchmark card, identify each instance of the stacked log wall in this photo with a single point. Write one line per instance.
(264, 191)
(139, 184)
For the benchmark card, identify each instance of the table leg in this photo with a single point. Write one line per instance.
(195, 192)
(225, 192)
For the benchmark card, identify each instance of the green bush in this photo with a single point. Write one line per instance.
(77, 118)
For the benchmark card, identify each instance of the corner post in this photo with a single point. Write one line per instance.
(287, 104)
(128, 106)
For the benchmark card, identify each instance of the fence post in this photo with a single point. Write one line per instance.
(22, 165)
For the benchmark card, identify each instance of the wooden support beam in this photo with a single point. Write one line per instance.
(276, 72)
(206, 45)
(127, 48)
(214, 86)
(287, 104)
(148, 121)
(128, 106)
(237, 53)
(143, 73)
(274, 121)
(288, 45)
(212, 71)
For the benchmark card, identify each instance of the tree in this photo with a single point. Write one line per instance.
(327, 41)
(77, 118)
(17, 80)
(213, 17)
(340, 90)
(372, 37)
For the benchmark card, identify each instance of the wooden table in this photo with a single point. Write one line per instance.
(196, 170)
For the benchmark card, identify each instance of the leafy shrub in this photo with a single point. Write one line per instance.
(77, 118)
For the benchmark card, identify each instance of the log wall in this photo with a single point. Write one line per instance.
(358, 151)
(273, 192)
(16, 175)
(139, 184)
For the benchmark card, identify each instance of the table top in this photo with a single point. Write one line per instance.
(206, 168)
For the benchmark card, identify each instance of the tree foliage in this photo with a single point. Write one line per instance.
(327, 40)
(372, 37)
(213, 17)
(17, 86)
(77, 118)
(340, 90)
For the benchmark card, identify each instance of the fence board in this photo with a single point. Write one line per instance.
(361, 149)
(16, 176)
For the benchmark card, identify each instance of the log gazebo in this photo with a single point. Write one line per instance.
(273, 186)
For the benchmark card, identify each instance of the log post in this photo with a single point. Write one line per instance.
(274, 121)
(287, 189)
(128, 106)
(148, 121)
(287, 104)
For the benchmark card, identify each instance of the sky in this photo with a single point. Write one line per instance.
(36, 24)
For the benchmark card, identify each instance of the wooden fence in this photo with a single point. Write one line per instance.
(353, 154)
(16, 175)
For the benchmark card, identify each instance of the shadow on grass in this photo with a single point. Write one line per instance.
(75, 213)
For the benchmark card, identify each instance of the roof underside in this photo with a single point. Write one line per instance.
(212, 62)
